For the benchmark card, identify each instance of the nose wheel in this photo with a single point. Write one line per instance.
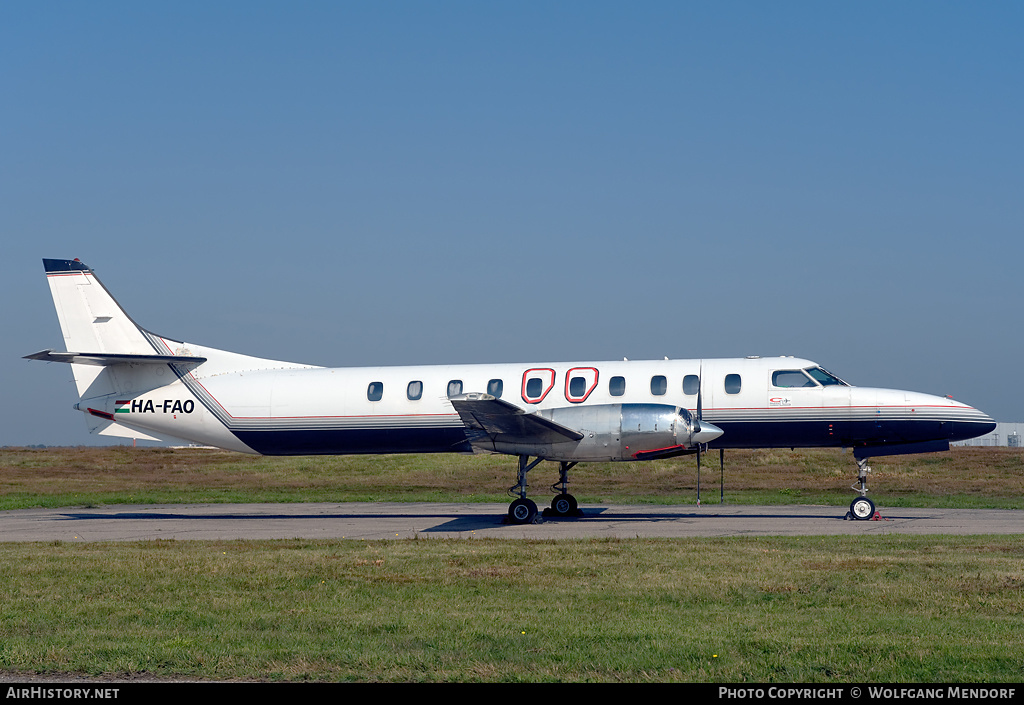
(862, 508)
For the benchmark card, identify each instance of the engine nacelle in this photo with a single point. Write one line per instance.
(615, 432)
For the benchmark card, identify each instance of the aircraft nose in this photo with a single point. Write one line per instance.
(969, 423)
(957, 421)
(707, 433)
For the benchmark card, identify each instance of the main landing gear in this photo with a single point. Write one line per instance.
(862, 508)
(524, 510)
(564, 504)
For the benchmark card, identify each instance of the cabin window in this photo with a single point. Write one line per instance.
(534, 387)
(617, 386)
(732, 384)
(414, 391)
(691, 384)
(790, 379)
(577, 386)
(659, 385)
(495, 387)
(375, 391)
(455, 388)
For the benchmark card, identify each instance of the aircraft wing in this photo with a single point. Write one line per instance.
(104, 359)
(507, 422)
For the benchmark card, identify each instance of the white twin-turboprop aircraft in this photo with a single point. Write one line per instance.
(135, 384)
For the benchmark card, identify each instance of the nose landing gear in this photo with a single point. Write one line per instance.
(862, 508)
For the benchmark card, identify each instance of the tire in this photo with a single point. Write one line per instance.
(522, 511)
(862, 509)
(564, 505)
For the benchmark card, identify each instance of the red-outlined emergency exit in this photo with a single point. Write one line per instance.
(537, 383)
(579, 383)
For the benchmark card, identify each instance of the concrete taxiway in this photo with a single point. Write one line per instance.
(390, 520)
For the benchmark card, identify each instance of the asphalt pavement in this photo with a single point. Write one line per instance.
(394, 520)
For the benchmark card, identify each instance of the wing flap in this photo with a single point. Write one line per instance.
(507, 422)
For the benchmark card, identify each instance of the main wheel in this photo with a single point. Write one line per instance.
(862, 508)
(522, 511)
(564, 505)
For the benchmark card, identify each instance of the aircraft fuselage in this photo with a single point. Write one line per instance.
(310, 410)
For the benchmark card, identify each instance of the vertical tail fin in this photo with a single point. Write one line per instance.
(90, 318)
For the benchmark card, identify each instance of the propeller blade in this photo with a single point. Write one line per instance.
(698, 474)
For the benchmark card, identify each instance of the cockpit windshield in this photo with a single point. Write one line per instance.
(824, 377)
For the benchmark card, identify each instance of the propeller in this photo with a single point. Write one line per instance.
(696, 424)
(703, 431)
(698, 474)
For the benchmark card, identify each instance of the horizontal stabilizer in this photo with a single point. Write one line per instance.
(104, 359)
(507, 422)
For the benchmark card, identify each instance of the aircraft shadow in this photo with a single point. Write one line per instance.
(456, 522)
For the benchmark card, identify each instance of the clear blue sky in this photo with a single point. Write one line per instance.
(428, 182)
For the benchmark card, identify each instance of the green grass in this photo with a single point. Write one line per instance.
(963, 477)
(836, 609)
